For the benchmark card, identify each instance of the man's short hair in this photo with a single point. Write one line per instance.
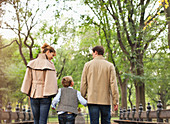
(99, 49)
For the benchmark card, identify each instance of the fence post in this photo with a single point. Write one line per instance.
(0, 111)
(159, 108)
(9, 111)
(121, 114)
(128, 113)
(140, 111)
(124, 112)
(148, 111)
(29, 113)
(17, 112)
(23, 110)
(133, 112)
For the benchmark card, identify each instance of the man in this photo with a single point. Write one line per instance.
(99, 83)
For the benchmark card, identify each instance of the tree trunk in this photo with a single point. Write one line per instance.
(163, 94)
(169, 32)
(129, 97)
(139, 84)
(138, 72)
(0, 98)
(21, 104)
(163, 101)
(140, 94)
(122, 83)
(22, 55)
(123, 87)
(28, 99)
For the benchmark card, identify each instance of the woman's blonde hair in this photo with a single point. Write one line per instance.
(45, 47)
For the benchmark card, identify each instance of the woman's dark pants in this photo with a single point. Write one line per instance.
(40, 108)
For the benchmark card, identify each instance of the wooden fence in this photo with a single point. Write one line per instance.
(159, 116)
(17, 117)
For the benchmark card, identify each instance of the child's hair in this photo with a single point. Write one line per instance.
(66, 81)
(47, 47)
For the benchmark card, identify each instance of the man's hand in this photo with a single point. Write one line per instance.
(115, 107)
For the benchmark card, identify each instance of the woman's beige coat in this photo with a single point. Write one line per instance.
(99, 83)
(40, 78)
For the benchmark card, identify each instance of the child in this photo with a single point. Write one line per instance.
(68, 98)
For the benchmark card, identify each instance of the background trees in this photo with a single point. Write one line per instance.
(127, 20)
(12, 70)
(132, 33)
(166, 5)
(24, 20)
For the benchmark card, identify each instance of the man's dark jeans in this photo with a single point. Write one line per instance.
(40, 108)
(66, 118)
(94, 111)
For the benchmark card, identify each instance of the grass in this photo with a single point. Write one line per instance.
(53, 119)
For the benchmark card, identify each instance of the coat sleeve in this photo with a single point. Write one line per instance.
(83, 87)
(26, 85)
(114, 87)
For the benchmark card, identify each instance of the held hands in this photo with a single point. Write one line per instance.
(53, 108)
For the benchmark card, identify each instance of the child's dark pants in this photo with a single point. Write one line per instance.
(66, 118)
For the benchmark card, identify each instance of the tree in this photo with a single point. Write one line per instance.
(25, 19)
(166, 5)
(128, 19)
(113, 53)
(66, 34)
(163, 7)
(157, 79)
(157, 73)
(12, 67)
(2, 75)
(1, 64)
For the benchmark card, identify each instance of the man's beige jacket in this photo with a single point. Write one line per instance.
(99, 83)
(40, 78)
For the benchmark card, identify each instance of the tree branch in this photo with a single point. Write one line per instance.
(155, 53)
(142, 14)
(8, 44)
(60, 73)
(124, 25)
(153, 38)
(115, 17)
(131, 21)
(94, 12)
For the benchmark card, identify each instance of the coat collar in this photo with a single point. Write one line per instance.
(42, 56)
(99, 57)
(41, 63)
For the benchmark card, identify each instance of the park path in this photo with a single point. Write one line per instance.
(85, 123)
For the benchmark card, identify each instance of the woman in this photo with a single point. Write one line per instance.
(40, 83)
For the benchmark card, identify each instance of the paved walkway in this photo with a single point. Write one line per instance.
(85, 123)
(80, 119)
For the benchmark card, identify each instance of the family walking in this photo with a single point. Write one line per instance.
(98, 88)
